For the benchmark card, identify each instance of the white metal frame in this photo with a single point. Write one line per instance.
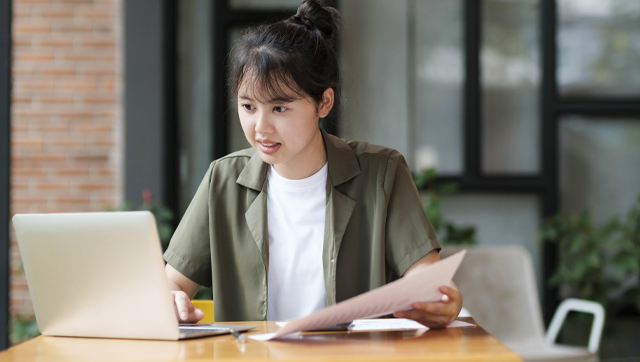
(578, 305)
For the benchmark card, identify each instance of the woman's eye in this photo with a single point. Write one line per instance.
(248, 107)
(279, 109)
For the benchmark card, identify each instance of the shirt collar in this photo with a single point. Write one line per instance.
(343, 164)
(254, 173)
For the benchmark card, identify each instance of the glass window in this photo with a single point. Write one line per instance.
(373, 51)
(402, 63)
(511, 72)
(599, 161)
(439, 82)
(598, 47)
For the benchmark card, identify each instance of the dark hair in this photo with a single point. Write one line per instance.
(295, 54)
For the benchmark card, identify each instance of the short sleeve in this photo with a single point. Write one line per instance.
(409, 233)
(189, 250)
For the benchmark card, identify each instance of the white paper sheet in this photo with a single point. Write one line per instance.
(457, 323)
(421, 286)
(396, 324)
(391, 324)
(386, 324)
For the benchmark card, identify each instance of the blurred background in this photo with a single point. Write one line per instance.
(525, 114)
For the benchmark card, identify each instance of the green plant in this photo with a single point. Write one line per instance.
(164, 216)
(448, 232)
(597, 263)
(22, 328)
(204, 293)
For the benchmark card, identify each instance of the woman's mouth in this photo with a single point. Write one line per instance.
(268, 147)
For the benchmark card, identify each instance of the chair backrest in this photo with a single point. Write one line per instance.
(498, 286)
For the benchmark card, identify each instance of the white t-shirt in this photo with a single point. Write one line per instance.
(295, 217)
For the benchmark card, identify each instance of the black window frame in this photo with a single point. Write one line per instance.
(5, 166)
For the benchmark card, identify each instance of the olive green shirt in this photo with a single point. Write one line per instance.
(375, 227)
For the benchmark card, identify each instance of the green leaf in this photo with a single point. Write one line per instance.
(448, 189)
(577, 245)
(579, 270)
(608, 228)
(204, 293)
(549, 233)
(23, 327)
(592, 259)
(165, 213)
(424, 178)
(453, 234)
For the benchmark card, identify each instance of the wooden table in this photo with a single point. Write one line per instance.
(453, 344)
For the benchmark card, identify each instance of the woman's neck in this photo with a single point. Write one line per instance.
(310, 161)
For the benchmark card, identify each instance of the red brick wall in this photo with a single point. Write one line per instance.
(66, 116)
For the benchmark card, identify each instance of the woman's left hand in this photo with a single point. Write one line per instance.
(435, 314)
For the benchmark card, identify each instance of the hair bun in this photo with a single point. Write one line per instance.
(304, 20)
(313, 14)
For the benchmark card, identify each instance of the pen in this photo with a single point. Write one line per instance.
(239, 337)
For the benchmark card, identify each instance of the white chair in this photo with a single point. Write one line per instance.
(499, 290)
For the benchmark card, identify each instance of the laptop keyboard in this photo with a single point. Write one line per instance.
(202, 330)
(192, 332)
(196, 329)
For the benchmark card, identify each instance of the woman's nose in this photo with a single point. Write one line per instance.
(263, 123)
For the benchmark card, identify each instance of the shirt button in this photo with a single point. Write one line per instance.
(333, 260)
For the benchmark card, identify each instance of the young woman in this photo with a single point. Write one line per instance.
(302, 219)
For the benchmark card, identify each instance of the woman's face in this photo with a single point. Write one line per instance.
(284, 133)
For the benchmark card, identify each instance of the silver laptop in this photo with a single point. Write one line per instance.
(101, 275)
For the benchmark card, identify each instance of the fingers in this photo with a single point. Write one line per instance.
(446, 305)
(429, 320)
(197, 315)
(435, 314)
(436, 308)
(185, 311)
(453, 294)
(183, 305)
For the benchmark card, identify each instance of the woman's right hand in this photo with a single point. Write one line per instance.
(185, 311)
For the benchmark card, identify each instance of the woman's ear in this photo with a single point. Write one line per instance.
(326, 103)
